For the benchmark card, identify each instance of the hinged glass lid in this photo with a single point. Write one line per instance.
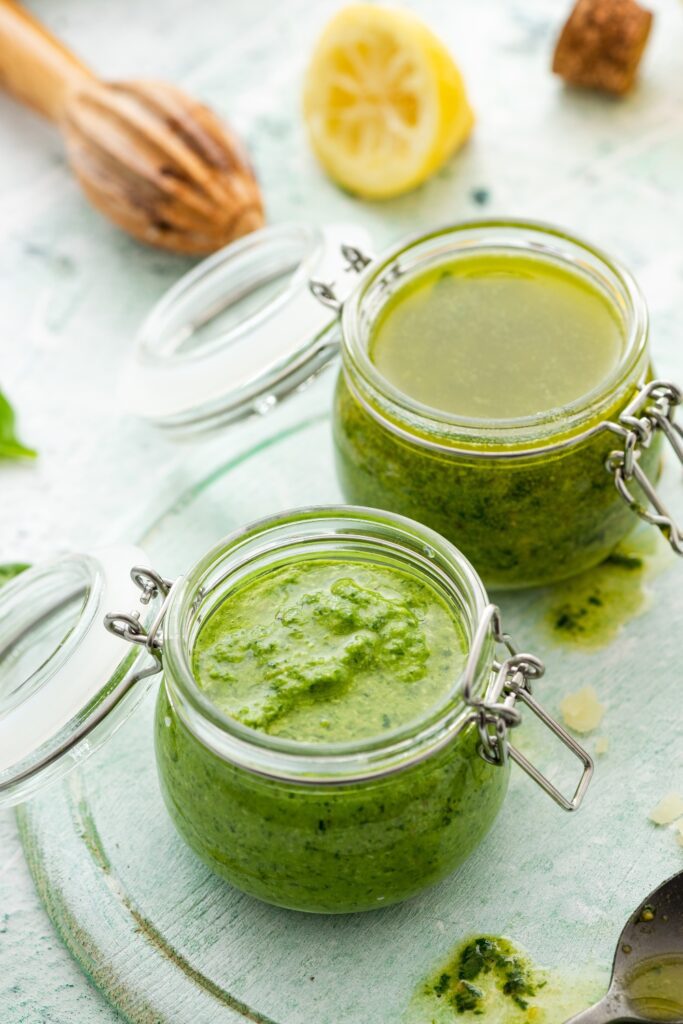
(65, 683)
(242, 329)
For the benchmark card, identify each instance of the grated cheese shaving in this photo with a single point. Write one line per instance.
(667, 810)
(582, 711)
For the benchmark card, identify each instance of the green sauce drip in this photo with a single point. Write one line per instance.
(486, 955)
(497, 337)
(489, 978)
(327, 651)
(590, 609)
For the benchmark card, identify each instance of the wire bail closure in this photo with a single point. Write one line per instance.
(652, 410)
(127, 625)
(356, 261)
(514, 679)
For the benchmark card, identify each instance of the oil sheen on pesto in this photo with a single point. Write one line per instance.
(497, 337)
(329, 651)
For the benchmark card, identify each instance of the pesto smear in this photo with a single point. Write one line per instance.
(489, 978)
(486, 956)
(328, 651)
(497, 337)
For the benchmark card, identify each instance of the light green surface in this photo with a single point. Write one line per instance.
(120, 879)
(73, 292)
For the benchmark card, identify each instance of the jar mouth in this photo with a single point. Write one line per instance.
(501, 237)
(279, 540)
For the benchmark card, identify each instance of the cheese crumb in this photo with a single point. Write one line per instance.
(667, 810)
(679, 829)
(601, 745)
(582, 711)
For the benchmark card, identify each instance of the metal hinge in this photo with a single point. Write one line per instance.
(127, 625)
(356, 261)
(497, 715)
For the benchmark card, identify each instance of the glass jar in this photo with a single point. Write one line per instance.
(333, 828)
(529, 500)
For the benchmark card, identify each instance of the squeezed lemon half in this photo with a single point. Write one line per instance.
(384, 103)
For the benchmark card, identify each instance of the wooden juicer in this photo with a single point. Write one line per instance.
(159, 164)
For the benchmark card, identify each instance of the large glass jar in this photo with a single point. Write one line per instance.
(339, 827)
(528, 500)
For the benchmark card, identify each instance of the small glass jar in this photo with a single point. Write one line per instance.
(529, 500)
(333, 828)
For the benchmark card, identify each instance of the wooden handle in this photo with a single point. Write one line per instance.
(34, 66)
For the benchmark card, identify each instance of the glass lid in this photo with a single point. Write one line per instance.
(242, 329)
(65, 682)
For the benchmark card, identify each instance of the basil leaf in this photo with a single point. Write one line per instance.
(10, 446)
(8, 572)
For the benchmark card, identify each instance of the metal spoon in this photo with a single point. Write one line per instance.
(653, 937)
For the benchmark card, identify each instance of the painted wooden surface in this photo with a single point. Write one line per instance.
(73, 291)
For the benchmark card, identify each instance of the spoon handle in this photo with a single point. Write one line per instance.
(34, 66)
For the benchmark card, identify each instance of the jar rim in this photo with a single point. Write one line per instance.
(398, 410)
(309, 762)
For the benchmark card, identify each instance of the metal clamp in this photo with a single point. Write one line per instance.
(494, 717)
(127, 625)
(651, 410)
(356, 261)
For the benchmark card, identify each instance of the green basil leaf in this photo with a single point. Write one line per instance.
(9, 571)
(10, 445)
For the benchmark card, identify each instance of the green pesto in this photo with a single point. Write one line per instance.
(356, 846)
(527, 521)
(489, 978)
(483, 956)
(590, 609)
(330, 651)
(497, 336)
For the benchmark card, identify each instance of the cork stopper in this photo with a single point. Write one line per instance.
(601, 45)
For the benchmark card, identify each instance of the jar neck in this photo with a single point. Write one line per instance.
(419, 422)
(284, 539)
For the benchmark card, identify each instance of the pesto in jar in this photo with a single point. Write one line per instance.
(322, 651)
(335, 848)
